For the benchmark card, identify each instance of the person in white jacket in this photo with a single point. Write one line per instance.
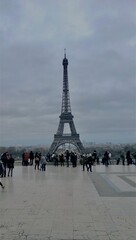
(43, 163)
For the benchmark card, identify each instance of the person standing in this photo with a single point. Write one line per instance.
(94, 156)
(10, 165)
(84, 160)
(122, 158)
(31, 157)
(67, 155)
(43, 163)
(134, 155)
(106, 157)
(23, 154)
(4, 161)
(1, 173)
(37, 160)
(118, 161)
(55, 159)
(74, 159)
(128, 157)
(90, 162)
(26, 157)
(109, 156)
(61, 159)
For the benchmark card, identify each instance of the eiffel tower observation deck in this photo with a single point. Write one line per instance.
(66, 117)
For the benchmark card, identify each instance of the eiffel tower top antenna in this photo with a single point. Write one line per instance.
(64, 52)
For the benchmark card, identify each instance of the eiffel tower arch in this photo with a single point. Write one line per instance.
(66, 117)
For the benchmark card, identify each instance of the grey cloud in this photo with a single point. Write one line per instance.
(98, 37)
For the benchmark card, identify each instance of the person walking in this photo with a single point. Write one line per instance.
(1, 173)
(90, 162)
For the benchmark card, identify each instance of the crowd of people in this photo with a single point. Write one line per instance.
(37, 159)
(65, 158)
(70, 157)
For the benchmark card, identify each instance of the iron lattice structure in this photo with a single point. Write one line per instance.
(66, 117)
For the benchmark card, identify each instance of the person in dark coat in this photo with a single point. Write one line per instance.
(74, 159)
(94, 156)
(106, 158)
(118, 161)
(90, 162)
(67, 156)
(84, 161)
(55, 159)
(129, 158)
(61, 159)
(10, 165)
(122, 157)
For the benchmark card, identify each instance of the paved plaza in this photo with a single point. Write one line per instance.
(67, 203)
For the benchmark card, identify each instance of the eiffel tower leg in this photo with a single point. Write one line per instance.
(80, 147)
(53, 147)
(72, 127)
(60, 128)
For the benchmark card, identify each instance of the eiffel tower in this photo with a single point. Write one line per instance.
(66, 117)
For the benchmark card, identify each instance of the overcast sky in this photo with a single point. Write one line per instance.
(100, 38)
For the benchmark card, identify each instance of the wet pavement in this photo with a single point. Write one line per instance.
(67, 203)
